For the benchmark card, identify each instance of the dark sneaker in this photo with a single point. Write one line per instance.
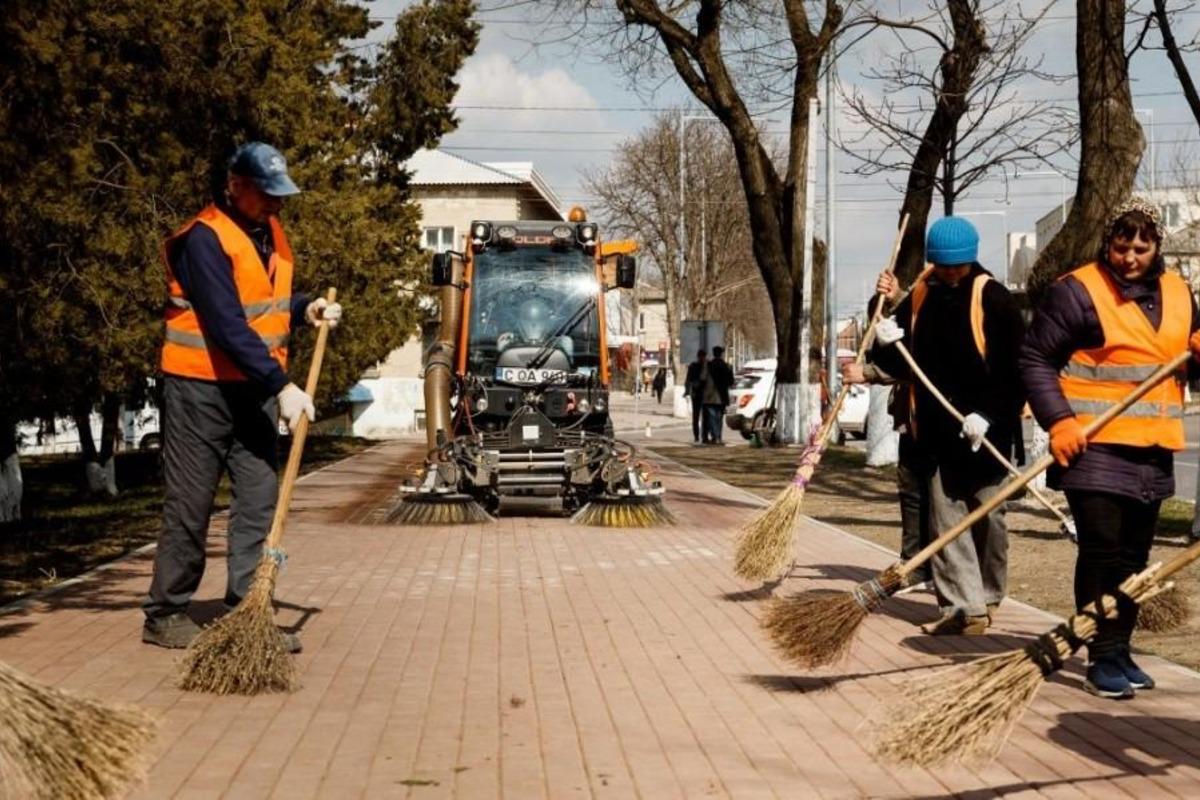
(1137, 678)
(175, 631)
(1105, 678)
(955, 624)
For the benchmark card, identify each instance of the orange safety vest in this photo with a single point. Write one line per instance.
(920, 291)
(1094, 380)
(266, 297)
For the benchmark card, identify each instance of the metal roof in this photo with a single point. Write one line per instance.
(439, 168)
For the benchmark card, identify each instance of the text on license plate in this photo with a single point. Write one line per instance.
(524, 375)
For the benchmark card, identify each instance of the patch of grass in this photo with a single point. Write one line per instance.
(64, 533)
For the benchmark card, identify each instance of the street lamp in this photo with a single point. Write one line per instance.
(1004, 215)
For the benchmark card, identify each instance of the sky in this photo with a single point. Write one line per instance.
(564, 106)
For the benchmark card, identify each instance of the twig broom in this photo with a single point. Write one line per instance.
(56, 744)
(1165, 612)
(765, 543)
(244, 652)
(966, 713)
(814, 628)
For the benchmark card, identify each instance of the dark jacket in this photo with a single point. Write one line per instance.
(692, 383)
(1065, 322)
(945, 349)
(720, 373)
(206, 275)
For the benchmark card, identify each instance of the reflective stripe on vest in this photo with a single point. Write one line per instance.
(1095, 380)
(265, 296)
(920, 291)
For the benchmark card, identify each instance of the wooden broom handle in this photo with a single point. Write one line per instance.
(832, 413)
(1038, 467)
(301, 433)
(954, 412)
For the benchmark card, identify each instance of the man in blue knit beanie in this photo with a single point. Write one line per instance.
(967, 341)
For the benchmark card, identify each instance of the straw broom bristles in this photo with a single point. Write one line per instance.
(816, 627)
(765, 544)
(966, 713)
(1166, 611)
(243, 652)
(56, 744)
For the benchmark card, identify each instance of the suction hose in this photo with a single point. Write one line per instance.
(439, 361)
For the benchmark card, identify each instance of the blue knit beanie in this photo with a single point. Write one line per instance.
(951, 241)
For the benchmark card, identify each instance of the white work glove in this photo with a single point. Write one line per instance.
(887, 331)
(974, 430)
(294, 402)
(320, 309)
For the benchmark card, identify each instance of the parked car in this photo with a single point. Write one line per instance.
(751, 402)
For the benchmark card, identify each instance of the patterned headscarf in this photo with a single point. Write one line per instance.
(1139, 204)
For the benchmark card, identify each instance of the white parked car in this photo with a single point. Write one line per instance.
(752, 394)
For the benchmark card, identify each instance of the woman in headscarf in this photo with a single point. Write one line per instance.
(1100, 331)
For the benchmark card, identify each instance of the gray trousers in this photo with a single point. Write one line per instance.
(208, 429)
(972, 571)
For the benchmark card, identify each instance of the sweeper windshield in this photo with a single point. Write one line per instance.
(534, 315)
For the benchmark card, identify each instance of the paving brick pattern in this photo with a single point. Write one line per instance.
(530, 658)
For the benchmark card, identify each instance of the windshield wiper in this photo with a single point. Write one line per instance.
(548, 346)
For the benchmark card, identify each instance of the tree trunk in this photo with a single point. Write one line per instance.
(1111, 143)
(99, 466)
(11, 487)
(958, 66)
(883, 443)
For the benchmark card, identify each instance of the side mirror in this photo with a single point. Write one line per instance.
(626, 272)
(442, 270)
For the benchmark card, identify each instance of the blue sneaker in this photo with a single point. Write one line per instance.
(1105, 678)
(1137, 678)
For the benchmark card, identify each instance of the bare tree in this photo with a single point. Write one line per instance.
(639, 196)
(948, 115)
(1162, 18)
(1111, 142)
(736, 59)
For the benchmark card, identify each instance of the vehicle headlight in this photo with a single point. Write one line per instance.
(584, 406)
(601, 405)
(481, 404)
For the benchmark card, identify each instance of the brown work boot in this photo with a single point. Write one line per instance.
(174, 631)
(956, 624)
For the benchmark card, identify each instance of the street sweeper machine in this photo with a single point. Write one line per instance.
(517, 380)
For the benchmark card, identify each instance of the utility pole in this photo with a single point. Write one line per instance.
(832, 372)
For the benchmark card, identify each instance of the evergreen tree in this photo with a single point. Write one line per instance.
(119, 119)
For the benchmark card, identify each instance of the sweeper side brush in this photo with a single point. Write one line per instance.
(624, 511)
(433, 508)
(56, 744)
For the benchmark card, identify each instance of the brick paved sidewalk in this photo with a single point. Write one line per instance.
(530, 658)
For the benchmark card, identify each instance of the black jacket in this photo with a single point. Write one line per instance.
(692, 385)
(945, 349)
(1065, 322)
(720, 373)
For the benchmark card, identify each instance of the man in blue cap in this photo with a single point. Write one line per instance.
(967, 341)
(229, 314)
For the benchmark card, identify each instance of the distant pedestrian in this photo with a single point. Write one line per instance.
(693, 389)
(716, 394)
(660, 383)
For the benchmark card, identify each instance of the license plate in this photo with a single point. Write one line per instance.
(530, 376)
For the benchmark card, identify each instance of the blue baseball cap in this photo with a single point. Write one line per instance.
(266, 166)
(952, 241)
